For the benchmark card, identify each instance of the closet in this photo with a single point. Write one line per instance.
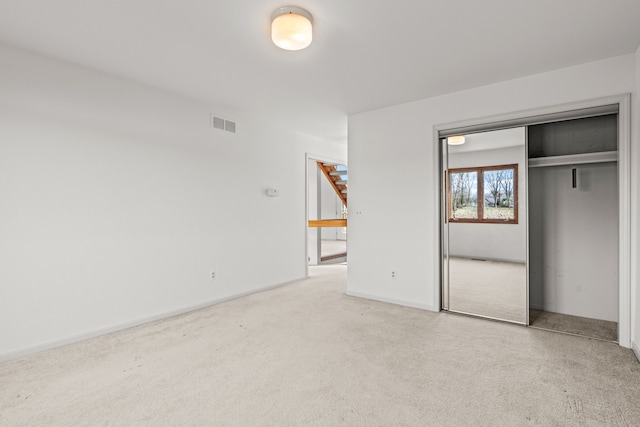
(554, 262)
(573, 226)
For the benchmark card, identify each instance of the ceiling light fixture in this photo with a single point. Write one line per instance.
(291, 28)
(455, 140)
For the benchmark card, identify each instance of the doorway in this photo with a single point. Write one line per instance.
(326, 211)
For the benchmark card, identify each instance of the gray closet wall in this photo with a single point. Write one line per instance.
(573, 222)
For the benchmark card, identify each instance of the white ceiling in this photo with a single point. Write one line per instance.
(366, 54)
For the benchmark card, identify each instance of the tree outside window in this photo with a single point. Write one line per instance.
(486, 194)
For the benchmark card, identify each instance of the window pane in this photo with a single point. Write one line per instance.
(464, 195)
(499, 194)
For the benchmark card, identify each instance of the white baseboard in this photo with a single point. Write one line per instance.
(130, 324)
(392, 300)
(636, 350)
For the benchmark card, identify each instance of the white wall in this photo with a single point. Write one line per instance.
(499, 242)
(573, 258)
(399, 140)
(119, 200)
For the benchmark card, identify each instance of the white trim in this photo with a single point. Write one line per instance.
(636, 350)
(130, 324)
(438, 210)
(626, 239)
(533, 116)
(396, 301)
(527, 261)
(307, 157)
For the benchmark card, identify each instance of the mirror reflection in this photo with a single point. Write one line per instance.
(484, 245)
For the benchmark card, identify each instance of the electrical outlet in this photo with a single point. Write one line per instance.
(213, 275)
(393, 274)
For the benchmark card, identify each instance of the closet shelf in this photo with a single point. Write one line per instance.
(574, 159)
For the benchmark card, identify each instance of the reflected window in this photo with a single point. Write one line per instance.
(463, 191)
(486, 194)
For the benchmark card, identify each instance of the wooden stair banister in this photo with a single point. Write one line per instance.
(314, 223)
(335, 179)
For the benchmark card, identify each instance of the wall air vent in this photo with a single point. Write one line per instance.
(223, 124)
(230, 126)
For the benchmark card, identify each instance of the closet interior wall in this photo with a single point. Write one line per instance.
(573, 217)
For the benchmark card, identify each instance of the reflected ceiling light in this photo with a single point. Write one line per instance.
(455, 140)
(291, 28)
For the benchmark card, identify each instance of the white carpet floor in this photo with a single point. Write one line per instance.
(306, 354)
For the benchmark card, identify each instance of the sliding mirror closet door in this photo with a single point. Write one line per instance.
(485, 227)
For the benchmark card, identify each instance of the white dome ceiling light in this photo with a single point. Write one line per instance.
(455, 140)
(291, 28)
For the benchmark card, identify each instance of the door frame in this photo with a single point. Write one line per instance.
(626, 241)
